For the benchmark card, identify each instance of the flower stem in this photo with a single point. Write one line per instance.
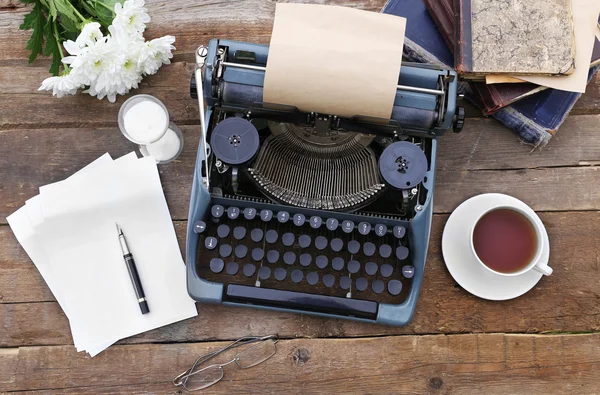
(60, 49)
(77, 12)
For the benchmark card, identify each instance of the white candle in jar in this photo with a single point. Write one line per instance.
(166, 148)
(145, 121)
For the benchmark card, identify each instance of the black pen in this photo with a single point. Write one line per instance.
(133, 274)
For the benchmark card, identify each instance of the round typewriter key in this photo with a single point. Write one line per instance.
(299, 219)
(371, 268)
(297, 276)
(249, 213)
(249, 269)
(289, 258)
(377, 286)
(337, 263)
(225, 250)
(239, 232)
(258, 254)
(233, 212)
(280, 274)
(347, 226)
(266, 215)
(408, 271)
(210, 243)
(305, 259)
(399, 231)
(328, 280)
(288, 239)
(364, 228)
(345, 282)
(315, 222)
(380, 229)
(272, 256)
(312, 278)
(283, 217)
(264, 273)
(369, 248)
(321, 243)
(353, 266)
(337, 244)
(217, 211)
(199, 226)
(304, 241)
(271, 236)
(321, 261)
(401, 252)
(241, 251)
(331, 223)
(232, 268)
(385, 251)
(223, 231)
(216, 265)
(394, 287)
(256, 235)
(361, 284)
(353, 246)
(386, 270)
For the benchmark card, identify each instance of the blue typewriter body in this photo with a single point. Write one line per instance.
(376, 274)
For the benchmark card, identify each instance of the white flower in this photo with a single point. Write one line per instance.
(89, 35)
(155, 53)
(101, 57)
(60, 86)
(131, 16)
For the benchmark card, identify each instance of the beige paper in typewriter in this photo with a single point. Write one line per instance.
(334, 60)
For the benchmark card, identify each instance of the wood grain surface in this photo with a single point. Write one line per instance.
(462, 364)
(545, 342)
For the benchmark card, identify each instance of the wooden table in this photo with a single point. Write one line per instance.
(543, 342)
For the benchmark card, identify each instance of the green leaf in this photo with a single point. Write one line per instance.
(66, 10)
(69, 26)
(28, 1)
(105, 10)
(35, 21)
(52, 47)
(88, 8)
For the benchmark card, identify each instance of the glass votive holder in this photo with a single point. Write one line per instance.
(144, 120)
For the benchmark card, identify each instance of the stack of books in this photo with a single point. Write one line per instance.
(524, 63)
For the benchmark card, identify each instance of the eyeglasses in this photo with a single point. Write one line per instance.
(197, 378)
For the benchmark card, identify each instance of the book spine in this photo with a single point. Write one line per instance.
(442, 14)
(463, 49)
(527, 129)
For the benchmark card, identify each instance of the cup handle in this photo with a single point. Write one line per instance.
(543, 268)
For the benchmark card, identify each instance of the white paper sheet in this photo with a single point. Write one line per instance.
(69, 233)
(81, 241)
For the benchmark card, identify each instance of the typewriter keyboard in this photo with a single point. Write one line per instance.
(325, 253)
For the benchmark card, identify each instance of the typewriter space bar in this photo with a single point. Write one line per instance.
(302, 301)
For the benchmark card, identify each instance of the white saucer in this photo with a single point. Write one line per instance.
(462, 263)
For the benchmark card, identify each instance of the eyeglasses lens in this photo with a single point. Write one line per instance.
(203, 378)
(256, 354)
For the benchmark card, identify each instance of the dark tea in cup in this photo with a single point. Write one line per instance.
(505, 240)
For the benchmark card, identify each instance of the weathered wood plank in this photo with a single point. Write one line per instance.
(565, 301)
(545, 189)
(461, 364)
(487, 144)
(34, 157)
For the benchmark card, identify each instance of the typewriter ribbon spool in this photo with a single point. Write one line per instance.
(403, 165)
(234, 141)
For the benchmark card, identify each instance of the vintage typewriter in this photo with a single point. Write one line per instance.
(311, 212)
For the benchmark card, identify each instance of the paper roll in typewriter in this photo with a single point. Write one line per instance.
(297, 209)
